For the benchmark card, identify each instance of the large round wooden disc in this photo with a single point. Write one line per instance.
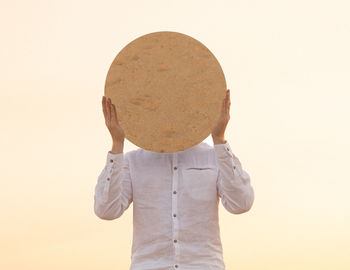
(168, 89)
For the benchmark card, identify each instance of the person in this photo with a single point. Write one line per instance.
(175, 197)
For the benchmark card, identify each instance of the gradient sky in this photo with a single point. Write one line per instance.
(287, 65)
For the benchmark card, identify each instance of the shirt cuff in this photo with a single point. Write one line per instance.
(114, 160)
(223, 150)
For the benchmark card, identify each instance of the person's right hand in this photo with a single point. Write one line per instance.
(111, 120)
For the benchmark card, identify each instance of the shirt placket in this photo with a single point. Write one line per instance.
(174, 210)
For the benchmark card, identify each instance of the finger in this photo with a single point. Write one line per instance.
(113, 113)
(225, 101)
(108, 111)
(228, 103)
(223, 107)
(104, 107)
(229, 99)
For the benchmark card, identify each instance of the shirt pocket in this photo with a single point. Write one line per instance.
(200, 182)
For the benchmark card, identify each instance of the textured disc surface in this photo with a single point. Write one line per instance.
(167, 88)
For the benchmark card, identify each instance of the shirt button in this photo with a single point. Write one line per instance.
(175, 241)
(228, 149)
(176, 265)
(108, 179)
(174, 215)
(174, 192)
(111, 160)
(175, 168)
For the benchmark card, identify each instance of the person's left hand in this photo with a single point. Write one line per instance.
(218, 132)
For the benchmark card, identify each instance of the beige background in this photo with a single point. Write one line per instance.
(287, 65)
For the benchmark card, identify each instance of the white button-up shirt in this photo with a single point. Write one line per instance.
(175, 203)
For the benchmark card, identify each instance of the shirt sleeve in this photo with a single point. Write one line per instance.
(233, 183)
(113, 191)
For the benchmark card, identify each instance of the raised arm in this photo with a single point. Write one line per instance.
(233, 183)
(113, 191)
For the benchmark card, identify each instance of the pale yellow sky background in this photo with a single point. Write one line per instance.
(287, 65)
